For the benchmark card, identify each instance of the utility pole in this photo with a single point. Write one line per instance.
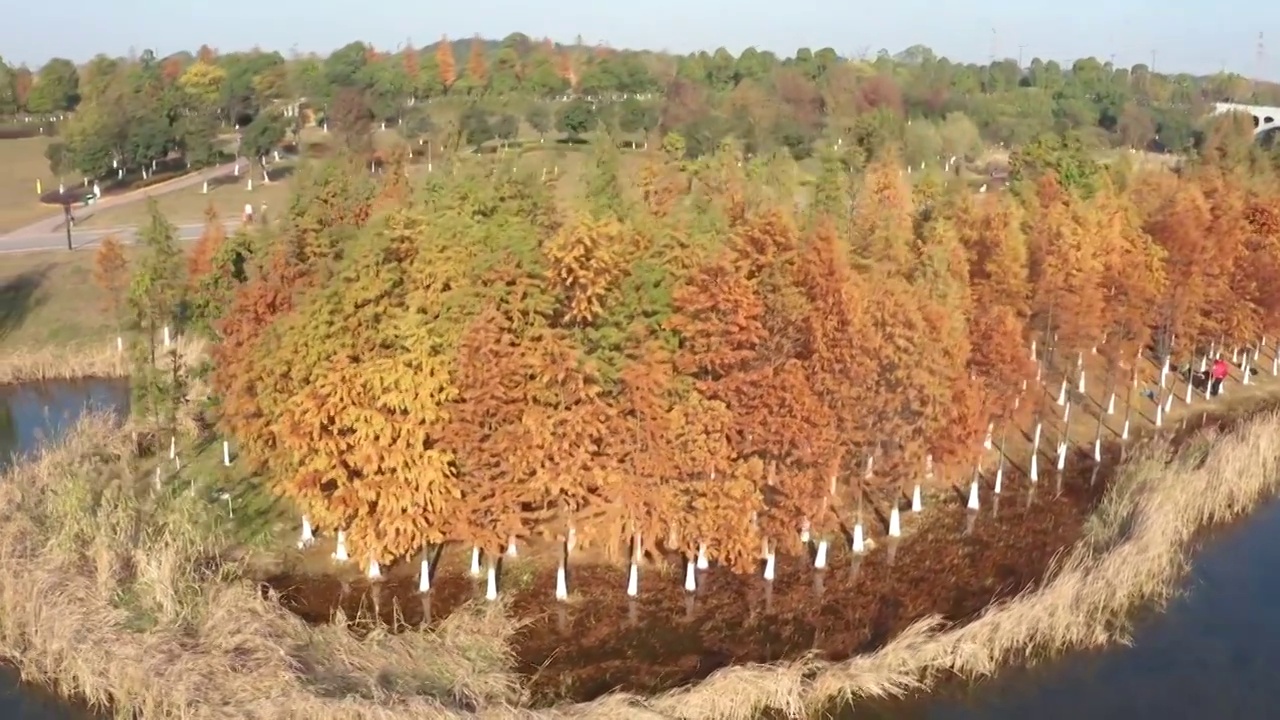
(1153, 61)
(991, 65)
(1020, 49)
(66, 222)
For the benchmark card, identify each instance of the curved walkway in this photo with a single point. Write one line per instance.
(48, 234)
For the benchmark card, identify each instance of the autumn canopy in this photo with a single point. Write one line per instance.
(700, 361)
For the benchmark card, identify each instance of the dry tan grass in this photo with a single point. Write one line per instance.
(118, 595)
(123, 600)
(99, 360)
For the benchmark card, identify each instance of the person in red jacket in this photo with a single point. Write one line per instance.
(1218, 375)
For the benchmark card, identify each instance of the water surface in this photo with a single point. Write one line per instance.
(1214, 654)
(32, 413)
(24, 701)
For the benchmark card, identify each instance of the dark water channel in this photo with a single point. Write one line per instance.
(31, 414)
(1215, 653)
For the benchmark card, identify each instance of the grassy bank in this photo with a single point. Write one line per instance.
(23, 163)
(49, 300)
(227, 194)
(78, 361)
(55, 322)
(127, 599)
(125, 594)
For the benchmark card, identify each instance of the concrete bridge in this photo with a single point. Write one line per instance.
(1264, 118)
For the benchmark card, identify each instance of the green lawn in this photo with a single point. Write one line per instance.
(49, 299)
(21, 164)
(252, 514)
(187, 206)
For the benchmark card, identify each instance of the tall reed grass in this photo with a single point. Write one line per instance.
(99, 360)
(118, 593)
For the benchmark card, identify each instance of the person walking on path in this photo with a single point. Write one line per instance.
(1218, 375)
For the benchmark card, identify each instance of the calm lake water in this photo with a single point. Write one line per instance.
(31, 414)
(1213, 654)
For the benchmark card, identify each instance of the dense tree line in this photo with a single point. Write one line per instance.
(689, 359)
(131, 111)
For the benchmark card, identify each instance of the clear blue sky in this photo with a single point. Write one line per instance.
(1199, 36)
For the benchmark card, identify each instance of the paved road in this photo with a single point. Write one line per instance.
(48, 234)
(90, 237)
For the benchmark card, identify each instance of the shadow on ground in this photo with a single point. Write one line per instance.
(19, 296)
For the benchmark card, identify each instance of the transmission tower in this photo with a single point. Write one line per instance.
(1261, 70)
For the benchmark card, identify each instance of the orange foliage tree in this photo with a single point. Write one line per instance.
(326, 209)
(412, 66)
(698, 372)
(1132, 280)
(741, 323)
(837, 363)
(991, 232)
(477, 68)
(486, 428)
(1227, 267)
(200, 262)
(446, 64)
(111, 274)
(1179, 224)
(360, 407)
(1066, 272)
(1261, 274)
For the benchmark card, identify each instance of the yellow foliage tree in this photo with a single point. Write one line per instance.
(583, 265)
(361, 406)
(882, 232)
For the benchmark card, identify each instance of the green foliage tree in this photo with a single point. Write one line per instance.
(575, 118)
(197, 139)
(59, 159)
(8, 90)
(505, 127)
(765, 102)
(261, 137)
(95, 138)
(637, 117)
(155, 297)
(539, 118)
(417, 125)
(476, 126)
(56, 89)
(1066, 158)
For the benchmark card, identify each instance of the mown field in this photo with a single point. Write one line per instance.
(22, 162)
